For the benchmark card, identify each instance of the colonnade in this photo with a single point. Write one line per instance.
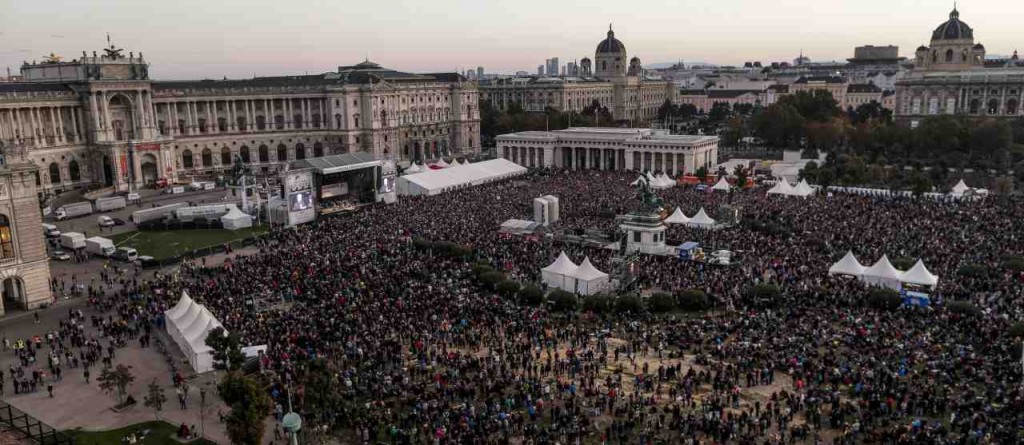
(671, 162)
(199, 117)
(43, 125)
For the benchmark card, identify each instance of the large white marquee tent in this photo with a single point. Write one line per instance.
(701, 220)
(677, 217)
(883, 273)
(589, 280)
(584, 279)
(189, 323)
(433, 182)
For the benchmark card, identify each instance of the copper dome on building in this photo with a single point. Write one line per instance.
(953, 29)
(611, 44)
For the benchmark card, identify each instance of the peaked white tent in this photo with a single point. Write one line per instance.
(441, 163)
(236, 219)
(589, 280)
(920, 275)
(781, 188)
(701, 220)
(677, 217)
(884, 274)
(960, 188)
(433, 182)
(189, 323)
(722, 185)
(561, 273)
(803, 189)
(413, 168)
(662, 182)
(848, 265)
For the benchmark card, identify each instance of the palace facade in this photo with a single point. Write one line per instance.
(100, 119)
(625, 88)
(640, 149)
(952, 76)
(24, 265)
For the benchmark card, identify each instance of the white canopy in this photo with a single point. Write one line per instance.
(883, 273)
(803, 189)
(561, 273)
(589, 280)
(960, 188)
(677, 217)
(781, 188)
(413, 168)
(701, 220)
(189, 323)
(722, 185)
(662, 182)
(441, 163)
(433, 182)
(920, 275)
(848, 265)
(236, 219)
(179, 309)
(650, 176)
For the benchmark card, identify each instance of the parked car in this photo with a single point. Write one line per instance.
(126, 254)
(146, 261)
(105, 221)
(60, 255)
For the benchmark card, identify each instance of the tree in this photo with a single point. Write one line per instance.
(809, 172)
(508, 288)
(779, 125)
(691, 300)
(562, 301)
(603, 115)
(116, 380)
(491, 279)
(816, 105)
(883, 298)
(741, 176)
(531, 295)
(597, 303)
(322, 403)
(919, 183)
(702, 173)
(250, 405)
(720, 111)
(627, 303)
(227, 349)
(155, 398)
(661, 302)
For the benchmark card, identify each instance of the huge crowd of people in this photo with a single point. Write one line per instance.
(418, 352)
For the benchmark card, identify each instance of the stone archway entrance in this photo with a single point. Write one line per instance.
(13, 290)
(150, 172)
(108, 171)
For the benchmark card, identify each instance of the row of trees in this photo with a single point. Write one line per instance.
(495, 122)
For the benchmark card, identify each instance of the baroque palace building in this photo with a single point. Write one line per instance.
(952, 76)
(624, 87)
(100, 119)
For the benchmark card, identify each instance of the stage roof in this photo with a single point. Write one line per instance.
(344, 162)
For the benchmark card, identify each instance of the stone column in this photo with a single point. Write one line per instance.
(107, 126)
(289, 114)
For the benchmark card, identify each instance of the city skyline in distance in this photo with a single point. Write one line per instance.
(235, 39)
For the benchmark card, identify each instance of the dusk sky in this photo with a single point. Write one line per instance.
(240, 38)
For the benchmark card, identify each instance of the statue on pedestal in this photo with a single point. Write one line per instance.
(649, 201)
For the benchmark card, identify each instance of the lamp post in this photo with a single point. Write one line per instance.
(202, 412)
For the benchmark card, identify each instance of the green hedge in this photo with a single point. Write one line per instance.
(964, 307)
(882, 298)
(508, 288)
(562, 301)
(531, 295)
(491, 279)
(597, 303)
(628, 303)
(693, 300)
(661, 302)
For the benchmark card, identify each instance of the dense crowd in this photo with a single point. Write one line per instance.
(418, 352)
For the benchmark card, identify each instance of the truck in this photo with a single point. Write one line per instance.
(51, 231)
(100, 246)
(126, 254)
(212, 211)
(74, 210)
(155, 213)
(110, 203)
(72, 240)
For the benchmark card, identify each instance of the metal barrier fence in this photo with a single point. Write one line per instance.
(13, 419)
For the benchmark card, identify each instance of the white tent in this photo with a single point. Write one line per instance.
(561, 273)
(650, 177)
(589, 280)
(883, 273)
(441, 163)
(701, 220)
(848, 265)
(662, 182)
(677, 217)
(960, 188)
(920, 275)
(433, 182)
(781, 188)
(189, 323)
(413, 168)
(637, 181)
(803, 189)
(236, 219)
(722, 185)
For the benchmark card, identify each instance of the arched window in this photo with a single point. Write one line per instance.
(1011, 106)
(282, 153)
(54, 173)
(318, 150)
(300, 151)
(6, 238)
(207, 157)
(974, 106)
(74, 171)
(186, 159)
(993, 106)
(244, 153)
(949, 55)
(264, 154)
(225, 156)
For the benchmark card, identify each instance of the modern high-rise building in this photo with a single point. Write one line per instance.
(552, 68)
(479, 72)
(540, 70)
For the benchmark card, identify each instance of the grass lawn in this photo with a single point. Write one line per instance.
(160, 433)
(169, 243)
